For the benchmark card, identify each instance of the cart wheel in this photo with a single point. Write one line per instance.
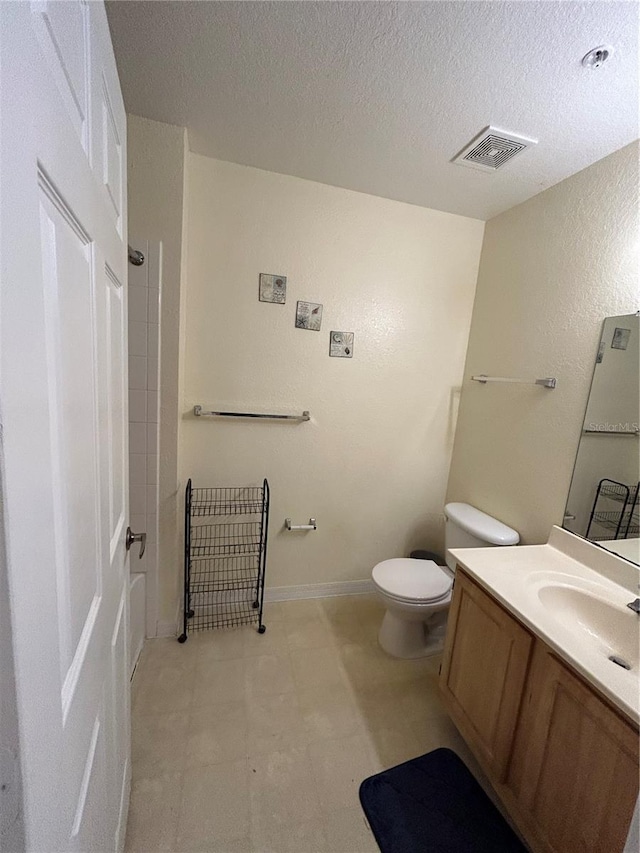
(262, 629)
(256, 604)
(182, 638)
(190, 614)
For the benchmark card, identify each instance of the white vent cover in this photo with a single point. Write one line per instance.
(492, 148)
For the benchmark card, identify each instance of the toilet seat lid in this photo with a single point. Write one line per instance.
(412, 580)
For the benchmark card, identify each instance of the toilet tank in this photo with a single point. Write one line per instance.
(468, 527)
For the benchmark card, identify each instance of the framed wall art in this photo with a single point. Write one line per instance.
(309, 316)
(273, 288)
(341, 344)
(620, 338)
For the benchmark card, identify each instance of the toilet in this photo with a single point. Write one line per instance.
(417, 593)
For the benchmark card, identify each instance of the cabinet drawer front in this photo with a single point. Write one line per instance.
(483, 672)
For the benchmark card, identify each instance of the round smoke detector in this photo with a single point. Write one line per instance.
(597, 57)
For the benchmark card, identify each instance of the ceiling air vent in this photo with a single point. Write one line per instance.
(492, 148)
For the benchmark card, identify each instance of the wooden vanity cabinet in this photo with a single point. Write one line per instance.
(483, 672)
(575, 763)
(563, 760)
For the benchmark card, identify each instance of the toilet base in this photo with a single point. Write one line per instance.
(409, 638)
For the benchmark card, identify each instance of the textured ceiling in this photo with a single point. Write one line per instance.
(378, 97)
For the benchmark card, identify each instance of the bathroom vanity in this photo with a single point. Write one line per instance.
(528, 680)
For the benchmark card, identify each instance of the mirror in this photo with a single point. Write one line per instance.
(603, 504)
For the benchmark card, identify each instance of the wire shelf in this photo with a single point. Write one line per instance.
(226, 609)
(226, 501)
(224, 573)
(224, 561)
(623, 522)
(610, 520)
(221, 540)
(616, 491)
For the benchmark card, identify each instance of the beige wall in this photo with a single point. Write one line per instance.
(372, 464)
(156, 154)
(551, 270)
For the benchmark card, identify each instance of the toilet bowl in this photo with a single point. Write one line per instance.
(417, 593)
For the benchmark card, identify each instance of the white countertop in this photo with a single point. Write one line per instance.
(517, 576)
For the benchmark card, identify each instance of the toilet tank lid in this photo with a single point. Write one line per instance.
(481, 525)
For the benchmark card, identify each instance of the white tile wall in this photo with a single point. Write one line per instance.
(138, 304)
(152, 374)
(137, 338)
(144, 360)
(137, 407)
(152, 438)
(138, 372)
(137, 501)
(137, 438)
(137, 469)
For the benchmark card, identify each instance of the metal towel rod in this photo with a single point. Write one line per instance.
(311, 526)
(549, 382)
(198, 411)
(612, 432)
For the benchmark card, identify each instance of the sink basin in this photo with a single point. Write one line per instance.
(609, 627)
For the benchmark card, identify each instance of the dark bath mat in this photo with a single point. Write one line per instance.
(433, 804)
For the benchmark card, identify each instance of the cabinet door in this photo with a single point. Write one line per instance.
(577, 761)
(483, 672)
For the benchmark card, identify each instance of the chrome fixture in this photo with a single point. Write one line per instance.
(132, 537)
(199, 412)
(136, 257)
(635, 606)
(612, 432)
(597, 57)
(619, 661)
(549, 382)
(311, 526)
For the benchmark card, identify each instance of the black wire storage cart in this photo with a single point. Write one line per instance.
(225, 557)
(618, 519)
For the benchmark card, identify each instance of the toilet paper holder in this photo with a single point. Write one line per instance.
(311, 526)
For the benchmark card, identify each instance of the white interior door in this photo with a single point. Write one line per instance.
(64, 416)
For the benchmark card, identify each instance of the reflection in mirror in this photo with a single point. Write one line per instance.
(603, 503)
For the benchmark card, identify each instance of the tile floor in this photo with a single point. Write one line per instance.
(258, 743)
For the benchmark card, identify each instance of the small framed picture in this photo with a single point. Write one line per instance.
(620, 338)
(341, 344)
(273, 288)
(309, 316)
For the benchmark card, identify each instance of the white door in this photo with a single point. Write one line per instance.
(64, 415)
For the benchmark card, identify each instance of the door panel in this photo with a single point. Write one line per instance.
(68, 291)
(61, 29)
(112, 153)
(64, 413)
(113, 292)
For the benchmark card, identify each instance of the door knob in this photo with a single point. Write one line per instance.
(136, 537)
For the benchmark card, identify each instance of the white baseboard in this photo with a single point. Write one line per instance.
(171, 629)
(286, 593)
(166, 629)
(318, 590)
